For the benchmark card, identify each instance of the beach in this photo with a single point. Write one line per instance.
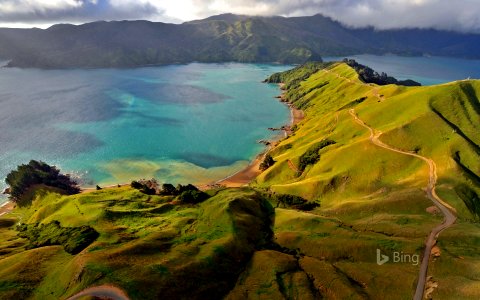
(6, 208)
(245, 176)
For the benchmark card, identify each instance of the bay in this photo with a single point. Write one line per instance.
(192, 123)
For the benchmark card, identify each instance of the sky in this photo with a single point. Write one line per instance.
(458, 15)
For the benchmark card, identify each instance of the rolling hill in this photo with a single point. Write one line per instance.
(218, 39)
(241, 243)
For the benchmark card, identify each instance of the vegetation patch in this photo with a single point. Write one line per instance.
(37, 173)
(267, 162)
(368, 75)
(311, 156)
(293, 77)
(293, 201)
(353, 103)
(73, 239)
(470, 198)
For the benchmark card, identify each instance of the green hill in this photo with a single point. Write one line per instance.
(372, 191)
(241, 244)
(218, 39)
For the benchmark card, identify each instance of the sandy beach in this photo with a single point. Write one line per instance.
(7, 208)
(245, 176)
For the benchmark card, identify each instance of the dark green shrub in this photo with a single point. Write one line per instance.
(267, 162)
(148, 187)
(168, 190)
(311, 156)
(193, 197)
(136, 185)
(37, 173)
(73, 239)
(368, 75)
(307, 206)
(470, 198)
(288, 200)
(186, 188)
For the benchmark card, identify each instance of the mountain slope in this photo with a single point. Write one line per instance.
(218, 39)
(373, 190)
(236, 245)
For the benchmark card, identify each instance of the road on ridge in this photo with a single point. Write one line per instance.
(447, 210)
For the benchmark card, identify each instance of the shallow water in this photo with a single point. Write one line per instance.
(183, 123)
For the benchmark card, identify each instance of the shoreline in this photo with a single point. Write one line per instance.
(6, 208)
(245, 176)
(238, 179)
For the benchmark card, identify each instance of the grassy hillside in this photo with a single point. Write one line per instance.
(241, 244)
(369, 189)
(149, 247)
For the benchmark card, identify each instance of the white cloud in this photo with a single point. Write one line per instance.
(382, 14)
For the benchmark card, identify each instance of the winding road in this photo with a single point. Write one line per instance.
(445, 208)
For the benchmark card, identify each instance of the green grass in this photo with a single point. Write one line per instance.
(372, 197)
(237, 244)
(143, 241)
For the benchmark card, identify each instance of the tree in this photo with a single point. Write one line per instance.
(185, 188)
(148, 187)
(267, 162)
(193, 197)
(37, 173)
(311, 156)
(168, 189)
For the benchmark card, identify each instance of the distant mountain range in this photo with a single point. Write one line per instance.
(219, 38)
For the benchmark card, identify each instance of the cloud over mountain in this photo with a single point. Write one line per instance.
(460, 15)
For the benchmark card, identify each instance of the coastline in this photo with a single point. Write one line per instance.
(6, 208)
(246, 175)
(238, 179)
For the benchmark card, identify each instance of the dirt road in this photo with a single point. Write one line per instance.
(447, 210)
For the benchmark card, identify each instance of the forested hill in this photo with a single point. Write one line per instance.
(217, 39)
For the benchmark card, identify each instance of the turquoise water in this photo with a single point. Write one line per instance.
(184, 123)
(426, 70)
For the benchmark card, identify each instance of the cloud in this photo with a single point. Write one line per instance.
(460, 15)
(74, 11)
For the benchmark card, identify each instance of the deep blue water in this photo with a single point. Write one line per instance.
(183, 123)
(426, 70)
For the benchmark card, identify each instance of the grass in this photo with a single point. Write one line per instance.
(371, 197)
(142, 240)
(237, 244)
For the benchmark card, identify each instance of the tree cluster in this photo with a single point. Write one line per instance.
(470, 198)
(296, 202)
(38, 173)
(185, 193)
(73, 239)
(311, 156)
(267, 162)
(368, 75)
(149, 187)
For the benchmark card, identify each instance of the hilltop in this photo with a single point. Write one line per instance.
(219, 38)
(242, 243)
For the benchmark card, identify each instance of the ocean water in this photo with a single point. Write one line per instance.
(426, 70)
(182, 123)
